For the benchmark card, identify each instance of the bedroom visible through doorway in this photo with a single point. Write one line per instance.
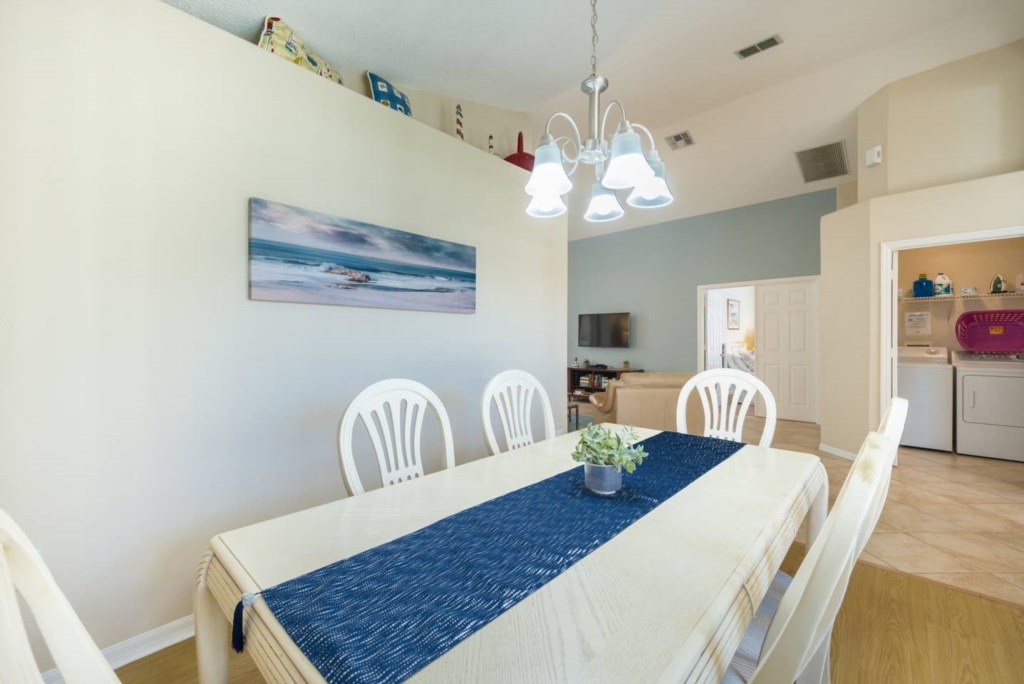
(729, 328)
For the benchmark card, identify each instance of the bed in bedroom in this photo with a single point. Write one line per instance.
(738, 357)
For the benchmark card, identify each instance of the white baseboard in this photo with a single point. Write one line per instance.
(139, 646)
(841, 453)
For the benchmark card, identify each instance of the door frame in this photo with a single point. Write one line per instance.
(889, 284)
(816, 360)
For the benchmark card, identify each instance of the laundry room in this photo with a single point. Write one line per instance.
(960, 354)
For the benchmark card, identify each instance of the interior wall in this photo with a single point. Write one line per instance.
(654, 272)
(846, 194)
(145, 403)
(436, 110)
(851, 242)
(872, 131)
(968, 265)
(844, 310)
(478, 120)
(949, 124)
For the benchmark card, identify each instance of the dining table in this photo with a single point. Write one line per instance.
(665, 599)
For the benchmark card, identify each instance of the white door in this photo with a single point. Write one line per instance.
(787, 346)
(714, 324)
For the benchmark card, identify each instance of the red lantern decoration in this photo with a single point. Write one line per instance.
(520, 158)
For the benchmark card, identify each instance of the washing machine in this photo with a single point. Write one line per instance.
(990, 405)
(924, 377)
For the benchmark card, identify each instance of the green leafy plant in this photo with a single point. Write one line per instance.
(600, 446)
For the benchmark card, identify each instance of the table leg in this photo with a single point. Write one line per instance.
(816, 516)
(212, 630)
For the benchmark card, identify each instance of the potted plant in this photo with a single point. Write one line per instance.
(605, 455)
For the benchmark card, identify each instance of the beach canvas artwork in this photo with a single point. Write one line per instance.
(297, 255)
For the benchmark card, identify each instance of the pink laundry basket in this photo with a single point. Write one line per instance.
(991, 331)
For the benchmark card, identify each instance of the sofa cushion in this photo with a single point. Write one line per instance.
(648, 400)
(655, 379)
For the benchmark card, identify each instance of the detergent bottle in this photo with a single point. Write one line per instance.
(943, 285)
(924, 287)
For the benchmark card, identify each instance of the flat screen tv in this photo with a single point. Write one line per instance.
(604, 330)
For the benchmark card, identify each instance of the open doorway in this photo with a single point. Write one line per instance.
(948, 342)
(783, 325)
(729, 328)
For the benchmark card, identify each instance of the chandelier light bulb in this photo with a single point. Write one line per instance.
(546, 206)
(627, 167)
(548, 177)
(652, 192)
(604, 205)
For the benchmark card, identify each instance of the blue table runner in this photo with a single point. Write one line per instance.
(386, 613)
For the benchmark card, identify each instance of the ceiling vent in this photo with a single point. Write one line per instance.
(827, 161)
(761, 46)
(678, 141)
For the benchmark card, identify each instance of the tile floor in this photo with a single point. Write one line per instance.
(958, 520)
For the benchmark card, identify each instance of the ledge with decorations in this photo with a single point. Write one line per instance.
(490, 129)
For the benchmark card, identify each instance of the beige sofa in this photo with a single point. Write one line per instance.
(647, 400)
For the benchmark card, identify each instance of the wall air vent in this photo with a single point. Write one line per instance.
(678, 141)
(827, 161)
(760, 46)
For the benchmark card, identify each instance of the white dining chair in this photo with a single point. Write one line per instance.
(726, 396)
(788, 639)
(513, 392)
(392, 412)
(22, 571)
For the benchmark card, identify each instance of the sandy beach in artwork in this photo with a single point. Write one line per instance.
(306, 257)
(452, 302)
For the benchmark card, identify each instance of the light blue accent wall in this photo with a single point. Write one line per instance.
(653, 273)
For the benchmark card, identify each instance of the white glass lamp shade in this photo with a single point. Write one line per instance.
(546, 206)
(652, 192)
(627, 167)
(604, 205)
(548, 177)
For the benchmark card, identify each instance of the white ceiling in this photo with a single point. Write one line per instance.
(670, 62)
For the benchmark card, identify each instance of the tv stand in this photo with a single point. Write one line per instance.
(582, 382)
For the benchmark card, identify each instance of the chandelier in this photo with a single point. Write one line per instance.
(620, 166)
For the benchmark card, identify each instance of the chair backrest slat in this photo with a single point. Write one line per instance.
(22, 571)
(393, 412)
(512, 392)
(726, 396)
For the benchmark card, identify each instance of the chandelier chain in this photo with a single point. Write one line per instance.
(593, 31)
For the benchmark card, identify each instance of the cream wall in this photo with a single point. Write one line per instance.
(145, 403)
(873, 130)
(846, 194)
(845, 337)
(478, 120)
(851, 242)
(949, 124)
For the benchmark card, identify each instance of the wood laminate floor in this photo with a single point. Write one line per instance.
(894, 628)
